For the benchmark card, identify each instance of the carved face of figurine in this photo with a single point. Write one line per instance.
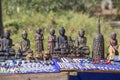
(52, 31)
(38, 30)
(113, 35)
(24, 35)
(81, 33)
(7, 34)
(62, 31)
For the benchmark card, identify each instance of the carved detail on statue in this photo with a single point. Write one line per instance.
(98, 47)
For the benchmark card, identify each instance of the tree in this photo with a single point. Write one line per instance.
(1, 23)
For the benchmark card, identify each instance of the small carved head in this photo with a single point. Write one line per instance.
(7, 34)
(62, 31)
(81, 33)
(24, 35)
(113, 35)
(52, 31)
(38, 30)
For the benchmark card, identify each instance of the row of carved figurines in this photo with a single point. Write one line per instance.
(62, 44)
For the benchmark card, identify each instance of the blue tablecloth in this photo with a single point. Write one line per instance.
(95, 76)
(13, 66)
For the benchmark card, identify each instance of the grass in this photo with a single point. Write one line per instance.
(71, 21)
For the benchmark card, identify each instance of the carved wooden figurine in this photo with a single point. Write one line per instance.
(24, 48)
(51, 41)
(62, 42)
(47, 56)
(81, 40)
(39, 40)
(113, 48)
(7, 44)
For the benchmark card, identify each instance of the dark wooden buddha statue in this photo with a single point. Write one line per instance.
(24, 48)
(62, 42)
(6, 46)
(82, 48)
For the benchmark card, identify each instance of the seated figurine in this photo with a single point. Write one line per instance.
(24, 46)
(29, 56)
(62, 42)
(82, 49)
(39, 57)
(2, 56)
(6, 46)
(47, 56)
(113, 48)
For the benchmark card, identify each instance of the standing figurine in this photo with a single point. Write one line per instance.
(51, 41)
(39, 40)
(24, 48)
(113, 48)
(81, 41)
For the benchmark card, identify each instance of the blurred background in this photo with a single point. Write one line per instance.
(20, 15)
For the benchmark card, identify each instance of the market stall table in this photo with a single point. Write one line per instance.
(40, 76)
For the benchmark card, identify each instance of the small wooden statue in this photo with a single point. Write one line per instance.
(39, 57)
(81, 41)
(7, 44)
(29, 56)
(62, 42)
(113, 48)
(2, 55)
(39, 40)
(47, 56)
(24, 46)
(51, 41)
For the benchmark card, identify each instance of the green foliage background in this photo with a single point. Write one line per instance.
(19, 15)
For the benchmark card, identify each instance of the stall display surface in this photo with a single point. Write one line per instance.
(59, 65)
(86, 65)
(23, 66)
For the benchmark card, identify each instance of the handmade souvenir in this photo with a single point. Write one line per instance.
(113, 48)
(82, 49)
(39, 41)
(98, 44)
(51, 41)
(24, 48)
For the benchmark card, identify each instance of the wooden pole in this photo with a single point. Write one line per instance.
(1, 22)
